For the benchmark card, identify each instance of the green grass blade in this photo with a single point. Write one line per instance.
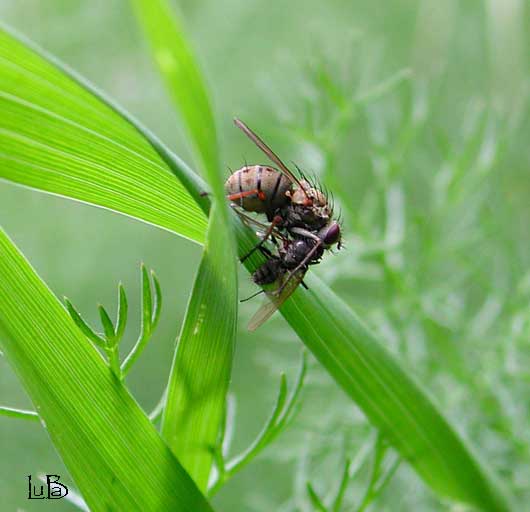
(58, 137)
(183, 78)
(201, 369)
(202, 365)
(114, 454)
(391, 398)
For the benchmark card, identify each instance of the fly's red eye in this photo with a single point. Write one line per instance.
(332, 235)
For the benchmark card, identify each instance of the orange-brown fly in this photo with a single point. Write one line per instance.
(300, 219)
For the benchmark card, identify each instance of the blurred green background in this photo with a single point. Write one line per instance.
(415, 114)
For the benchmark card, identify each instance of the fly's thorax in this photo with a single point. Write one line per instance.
(299, 250)
(296, 252)
(308, 217)
(258, 188)
(307, 195)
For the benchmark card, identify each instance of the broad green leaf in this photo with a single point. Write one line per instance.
(202, 365)
(57, 136)
(113, 452)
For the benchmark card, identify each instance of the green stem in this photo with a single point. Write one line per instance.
(374, 475)
(337, 503)
(135, 353)
(114, 360)
(315, 499)
(283, 413)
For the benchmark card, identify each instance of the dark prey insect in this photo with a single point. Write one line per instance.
(281, 274)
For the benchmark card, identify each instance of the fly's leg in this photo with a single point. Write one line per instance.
(265, 251)
(252, 296)
(277, 220)
(247, 193)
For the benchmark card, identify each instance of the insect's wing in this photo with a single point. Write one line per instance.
(256, 139)
(258, 227)
(275, 300)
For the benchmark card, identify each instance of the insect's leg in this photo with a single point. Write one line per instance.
(240, 195)
(277, 220)
(303, 263)
(304, 285)
(252, 296)
(266, 251)
(259, 246)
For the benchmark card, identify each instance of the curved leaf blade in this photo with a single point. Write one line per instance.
(391, 398)
(58, 137)
(201, 369)
(178, 67)
(113, 452)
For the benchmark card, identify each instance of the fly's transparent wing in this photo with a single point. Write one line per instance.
(275, 300)
(254, 224)
(256, 139)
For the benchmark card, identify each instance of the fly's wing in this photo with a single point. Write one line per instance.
(256, 139)
(276, 299)
(256, 224)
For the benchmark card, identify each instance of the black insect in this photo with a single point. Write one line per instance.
(281, 273)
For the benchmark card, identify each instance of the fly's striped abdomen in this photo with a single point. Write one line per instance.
(258, 188)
